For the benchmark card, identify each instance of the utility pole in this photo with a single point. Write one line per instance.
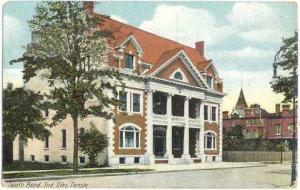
(293, 177)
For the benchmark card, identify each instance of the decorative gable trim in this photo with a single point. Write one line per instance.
(188, 63)
(213, 67)
(132, 39)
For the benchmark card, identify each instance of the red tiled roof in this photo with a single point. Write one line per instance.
(156, 49)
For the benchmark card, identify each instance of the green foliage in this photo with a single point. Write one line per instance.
(235, 115)
(22, 115)
(72, 57)
(92, 143)
(287, 61)
(232, 138)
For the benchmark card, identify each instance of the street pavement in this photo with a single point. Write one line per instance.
(269, 176)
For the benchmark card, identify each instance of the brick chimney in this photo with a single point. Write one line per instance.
(89, 6)
(225, 114)
(277, 108)
(285, 110)
(199, 46)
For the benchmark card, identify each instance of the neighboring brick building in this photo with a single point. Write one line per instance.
(172, 115)
(258, 123)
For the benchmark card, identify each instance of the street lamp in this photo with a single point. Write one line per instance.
(274, 81)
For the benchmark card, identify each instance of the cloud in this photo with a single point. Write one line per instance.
(13, 76)
(253, 14)
(255, 92)
(188, 25)
(265, 36)
(119, 18)
(246, 52)
(12, 28)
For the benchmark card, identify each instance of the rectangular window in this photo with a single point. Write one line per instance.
(121, 160)
(129, 61)
(136, 102)
(137, 139)
(213, 113)
(82, 160)
(205, 112)
(121, 138)
(123, 101)
(64, 159)
(47, 142)
(209, 81)
(32, 158)
(277, 129)
(46, 158)
(64, 138)
(129, 139)
(136, 160)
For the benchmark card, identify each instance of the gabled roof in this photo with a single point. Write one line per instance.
(241, 103)
(155, 48)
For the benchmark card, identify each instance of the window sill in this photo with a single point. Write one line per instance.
(46, 148)
(126, 148)
(63, 148)
(209, 149)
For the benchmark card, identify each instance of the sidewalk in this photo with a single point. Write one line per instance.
(167, 167)
(195, 166)
(157, 168)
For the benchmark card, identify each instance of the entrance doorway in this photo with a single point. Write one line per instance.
(159, 140)
(177, 141)
(194, 142)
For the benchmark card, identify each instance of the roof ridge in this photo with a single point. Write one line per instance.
(173, 41)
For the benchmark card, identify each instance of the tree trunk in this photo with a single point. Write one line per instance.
(75, 151)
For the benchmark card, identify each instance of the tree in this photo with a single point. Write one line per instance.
(232, 138)
(73, 57)
(287, 60)
(22, 115)
(92, 143)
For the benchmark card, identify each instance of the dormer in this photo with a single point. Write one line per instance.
(212, 78)
(130, 54)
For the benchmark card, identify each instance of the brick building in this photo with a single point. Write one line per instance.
(258, 123)
(172, 115)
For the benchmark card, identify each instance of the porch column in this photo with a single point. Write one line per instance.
(201, 138)
(169, 128)
(150, 156)
(186, 137)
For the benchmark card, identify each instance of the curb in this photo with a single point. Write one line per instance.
(118, 174)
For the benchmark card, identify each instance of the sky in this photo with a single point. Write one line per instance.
(240, 37)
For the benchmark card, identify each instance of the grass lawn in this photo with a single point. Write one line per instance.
(69, 172)
(21, 166)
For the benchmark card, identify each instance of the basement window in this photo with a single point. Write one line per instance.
(82, 160)
(32, 158)
(46, 158)
(136, 160)
(122, 160)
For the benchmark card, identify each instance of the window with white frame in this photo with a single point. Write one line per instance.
(130, 101)
(213, 113)
(205, 112)
(129, 61)
(210, 113)
(129, 137)
(123, 101)
(210, 141)
(209, 81)
(178, 76)
(136, 98)
(277, 129)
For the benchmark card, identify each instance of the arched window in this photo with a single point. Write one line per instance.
(210, 141)
(178, 76)
(129, 137)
